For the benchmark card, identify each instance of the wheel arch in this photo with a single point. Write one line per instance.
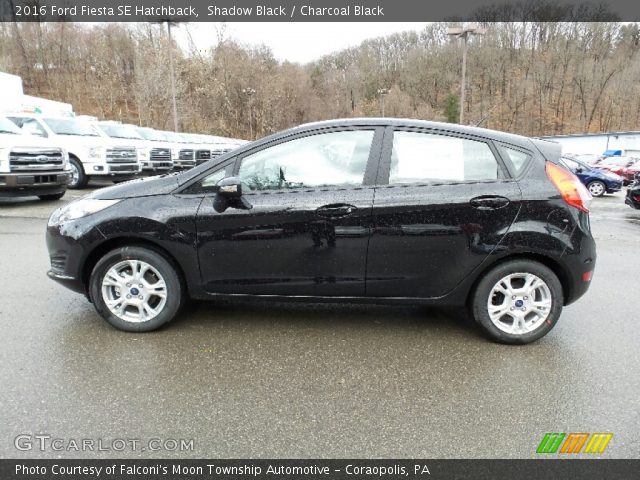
(113, 243)
(553, 265)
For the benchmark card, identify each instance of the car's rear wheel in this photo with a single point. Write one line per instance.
(597, 188)
(136, 289)
(518, 302)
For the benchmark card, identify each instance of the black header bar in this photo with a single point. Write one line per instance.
(584, 469)
(316, 10)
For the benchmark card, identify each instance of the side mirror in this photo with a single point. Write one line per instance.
(579, 170)
(230, 195)
(230, 187)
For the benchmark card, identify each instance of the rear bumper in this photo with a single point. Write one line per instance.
(579, 261)
(40, 183)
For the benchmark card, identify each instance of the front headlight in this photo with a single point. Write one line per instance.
(4, 159)
(143, 153)
(175, 154)
(96, 152)
(78, 209)
(65, 159)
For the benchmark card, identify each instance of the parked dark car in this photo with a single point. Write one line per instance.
(360, 210)
(633, 193)
(597, 181)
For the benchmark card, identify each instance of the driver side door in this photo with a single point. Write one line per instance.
(307, 230)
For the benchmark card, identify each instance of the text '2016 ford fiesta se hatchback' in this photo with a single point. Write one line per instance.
(360, 210)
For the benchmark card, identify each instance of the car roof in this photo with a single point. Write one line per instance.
(415, 123)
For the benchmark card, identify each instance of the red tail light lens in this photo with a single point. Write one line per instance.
(569, 186)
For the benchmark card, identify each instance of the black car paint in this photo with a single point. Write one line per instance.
(413, 244)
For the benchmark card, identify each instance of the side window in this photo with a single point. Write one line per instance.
(570, 164)
(423, 157)
(335, 159)
(32, 127)
(518, 159)
(212, 179)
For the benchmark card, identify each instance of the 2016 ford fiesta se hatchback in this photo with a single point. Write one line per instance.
(360, 210)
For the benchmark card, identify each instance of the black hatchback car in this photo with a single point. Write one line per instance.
(359, 210)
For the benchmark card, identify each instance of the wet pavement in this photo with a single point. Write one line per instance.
(278, 380)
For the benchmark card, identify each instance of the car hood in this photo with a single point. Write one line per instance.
(139, 187)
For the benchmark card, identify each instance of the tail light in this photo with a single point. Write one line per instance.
(572, 190)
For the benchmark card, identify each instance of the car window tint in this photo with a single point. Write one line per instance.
(335, 159)
(518, 158)
(422, 157)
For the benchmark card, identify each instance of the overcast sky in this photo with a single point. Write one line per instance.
(293, 41)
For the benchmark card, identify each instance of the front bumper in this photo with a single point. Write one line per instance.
(33, 183)
(69, 246)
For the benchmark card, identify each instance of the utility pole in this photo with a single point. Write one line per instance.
(173, 81)
(250, 92)
(464, 32)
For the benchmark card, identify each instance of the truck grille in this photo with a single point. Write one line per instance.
(216, 152)
(203, 154)
(122, 155)
(34, 159)
(160, 155)
(186, 154)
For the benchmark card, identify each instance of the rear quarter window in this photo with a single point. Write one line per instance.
(519, 159)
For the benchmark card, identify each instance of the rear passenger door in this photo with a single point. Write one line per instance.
(443, 203)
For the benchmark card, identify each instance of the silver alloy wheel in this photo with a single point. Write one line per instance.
(519, 303)
(75, 174)
(134, 291)
(596, 189)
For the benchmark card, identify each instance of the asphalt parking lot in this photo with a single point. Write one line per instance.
(272, 380)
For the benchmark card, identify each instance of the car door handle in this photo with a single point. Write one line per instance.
(336, 210)
(489, 202)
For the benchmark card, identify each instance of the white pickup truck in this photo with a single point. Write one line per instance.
(30, 165)
(90, 155)
(155, 158)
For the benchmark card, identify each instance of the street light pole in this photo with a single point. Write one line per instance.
(382, 92)
(464, 32)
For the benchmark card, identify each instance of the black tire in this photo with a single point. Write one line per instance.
(480, 299)
(82, 179)
(174, 290)
(599, 188)
(51, 196)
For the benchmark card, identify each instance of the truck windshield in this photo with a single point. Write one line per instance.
(70, 126)
(151, 134)
(120, 131)
(7, 126)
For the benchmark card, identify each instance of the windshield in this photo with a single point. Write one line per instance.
(117, 130)
(151, 134)
(7, 126)
(70, 126)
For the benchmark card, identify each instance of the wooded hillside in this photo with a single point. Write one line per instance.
(530, 78)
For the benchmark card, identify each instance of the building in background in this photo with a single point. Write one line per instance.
(616, 143)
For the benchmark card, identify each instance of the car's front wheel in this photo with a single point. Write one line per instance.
(136, 289)
(597, 188)
(518, 302)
